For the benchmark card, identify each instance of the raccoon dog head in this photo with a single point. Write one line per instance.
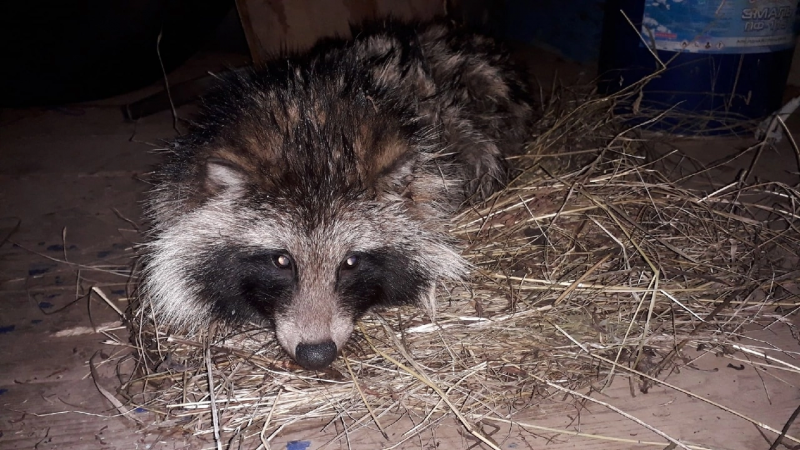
(304, 196)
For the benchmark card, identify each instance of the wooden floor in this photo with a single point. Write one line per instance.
(70, 182)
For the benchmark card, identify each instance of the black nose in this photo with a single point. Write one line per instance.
(315, 356)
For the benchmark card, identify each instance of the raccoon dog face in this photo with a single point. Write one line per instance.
(316, 188)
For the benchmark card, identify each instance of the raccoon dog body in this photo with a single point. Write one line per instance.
(317, 187)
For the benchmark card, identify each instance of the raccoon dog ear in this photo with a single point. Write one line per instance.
(396, 177)
(222, 175)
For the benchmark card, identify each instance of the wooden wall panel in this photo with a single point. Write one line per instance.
(274, 27)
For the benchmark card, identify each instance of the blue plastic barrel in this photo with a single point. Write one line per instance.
(727, 60)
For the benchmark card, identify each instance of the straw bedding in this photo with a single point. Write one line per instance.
(593, 263)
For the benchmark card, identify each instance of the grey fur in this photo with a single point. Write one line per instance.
(361, 148)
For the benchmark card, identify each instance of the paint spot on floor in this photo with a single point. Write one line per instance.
(59, 247)
(118, 292)
(103, 254)
(3, 391)
(7, 329)
(45, 305)
(36, 321)
(298, 445)
(39, 269)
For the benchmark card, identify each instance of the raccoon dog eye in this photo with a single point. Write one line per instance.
(282, 261)
(351, 262)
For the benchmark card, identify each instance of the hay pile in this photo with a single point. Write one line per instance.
(591, 264)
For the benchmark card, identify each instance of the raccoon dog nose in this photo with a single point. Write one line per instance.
(315, 356)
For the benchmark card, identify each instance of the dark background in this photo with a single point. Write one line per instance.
(57, 52)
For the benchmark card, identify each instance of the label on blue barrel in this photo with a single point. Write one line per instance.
(719, 26)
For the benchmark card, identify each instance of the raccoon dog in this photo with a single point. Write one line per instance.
(319, 186)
